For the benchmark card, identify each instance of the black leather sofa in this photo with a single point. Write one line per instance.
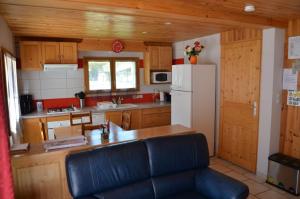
(174, 167)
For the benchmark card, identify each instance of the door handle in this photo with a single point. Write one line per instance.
(254, 108)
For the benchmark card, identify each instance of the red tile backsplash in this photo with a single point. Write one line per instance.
(92, 101)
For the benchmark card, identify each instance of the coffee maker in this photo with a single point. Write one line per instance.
(26, 104)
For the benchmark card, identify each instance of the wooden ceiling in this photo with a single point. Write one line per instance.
(128, 19)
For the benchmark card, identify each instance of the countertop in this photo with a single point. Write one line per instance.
(95, 110)
(117, 135)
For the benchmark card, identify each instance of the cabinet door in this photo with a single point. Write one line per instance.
(165, 58)
(68, 52)
(115, 117)
(31, 55)
(31, 130)
(154, 57)
(156, 117)
(135, 119)
(51, 52)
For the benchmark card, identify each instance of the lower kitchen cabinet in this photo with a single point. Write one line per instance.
(156, 117)
(31, 130)
(116, 117)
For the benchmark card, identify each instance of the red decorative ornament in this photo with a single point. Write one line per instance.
(117, 46)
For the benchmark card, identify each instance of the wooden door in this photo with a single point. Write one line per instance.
(240, 86)
(51, 52)
(68, 52)
(31, 55)
(165, 58)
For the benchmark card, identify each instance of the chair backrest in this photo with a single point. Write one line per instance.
(42, 130)
(126, 120)
(87, 127)
(80, 116)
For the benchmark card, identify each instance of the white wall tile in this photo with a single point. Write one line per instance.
(62, 74)
(75, 74)
(30, 75)
(29, 84)
(71, 91)
(53, 83)
(36, 93)
(75, 83)
(54, 93)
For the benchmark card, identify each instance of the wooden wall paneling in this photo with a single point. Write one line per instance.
(290, 116)
(240, 86)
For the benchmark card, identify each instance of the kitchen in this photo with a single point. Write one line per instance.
(138, 68)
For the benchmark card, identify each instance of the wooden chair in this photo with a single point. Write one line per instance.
(88, 127)
(80, 116)
(42, 130)
(126, 120)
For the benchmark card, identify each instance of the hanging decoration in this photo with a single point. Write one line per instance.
(117, 46)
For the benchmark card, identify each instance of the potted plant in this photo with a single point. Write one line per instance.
(193, 52)
(81, 96)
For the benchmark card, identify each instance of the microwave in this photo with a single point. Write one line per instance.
(161, 77)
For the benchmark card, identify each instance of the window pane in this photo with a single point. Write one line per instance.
(125, 74)
(99, 75)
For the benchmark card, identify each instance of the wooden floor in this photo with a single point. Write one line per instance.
(257, 186)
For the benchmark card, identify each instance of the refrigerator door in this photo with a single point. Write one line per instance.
(181, 108)
(181, 77)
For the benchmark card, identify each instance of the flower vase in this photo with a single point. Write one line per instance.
(193, 59)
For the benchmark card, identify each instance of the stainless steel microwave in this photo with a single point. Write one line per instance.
(161, 77)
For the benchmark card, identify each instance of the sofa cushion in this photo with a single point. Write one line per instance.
(167, 185)
(186, 195)
(177, 153)
(140, 190)
(106, 168)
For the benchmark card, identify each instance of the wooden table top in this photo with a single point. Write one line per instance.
(116, 135)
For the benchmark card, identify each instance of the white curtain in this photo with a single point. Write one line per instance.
(12, 96)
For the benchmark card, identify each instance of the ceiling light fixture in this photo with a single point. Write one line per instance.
(144, 32)
(168, 23)
(249, 7)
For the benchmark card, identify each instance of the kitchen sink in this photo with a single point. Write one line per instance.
(124, 106)
(119, 106)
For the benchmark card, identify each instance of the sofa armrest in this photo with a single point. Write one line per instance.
(215, 185)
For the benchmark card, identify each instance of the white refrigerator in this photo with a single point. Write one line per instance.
(193, 99)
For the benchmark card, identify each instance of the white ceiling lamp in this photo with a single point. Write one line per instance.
(168, 23)
(249, 7)
(144, 32)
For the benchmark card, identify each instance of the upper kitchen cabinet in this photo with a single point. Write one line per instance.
(68, 51)
(51, 52)
(31, 55)
(156, 58)
(60, 52)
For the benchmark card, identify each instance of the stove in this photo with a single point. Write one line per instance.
(61, 110)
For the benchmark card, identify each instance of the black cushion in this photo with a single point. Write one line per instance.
(187, 195)
(171, 184)
(177, 153)
(215, 185)
(140, 190)
(106, 168)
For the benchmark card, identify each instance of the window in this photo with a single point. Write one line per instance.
(111, 74)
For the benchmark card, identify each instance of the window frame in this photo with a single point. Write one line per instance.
(112, 61)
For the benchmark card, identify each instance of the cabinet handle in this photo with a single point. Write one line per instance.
(254, 107)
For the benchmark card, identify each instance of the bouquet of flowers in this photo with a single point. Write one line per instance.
(194, 51)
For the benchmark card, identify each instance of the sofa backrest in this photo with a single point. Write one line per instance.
(96, 171)
(159, 166)
(173, 162)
